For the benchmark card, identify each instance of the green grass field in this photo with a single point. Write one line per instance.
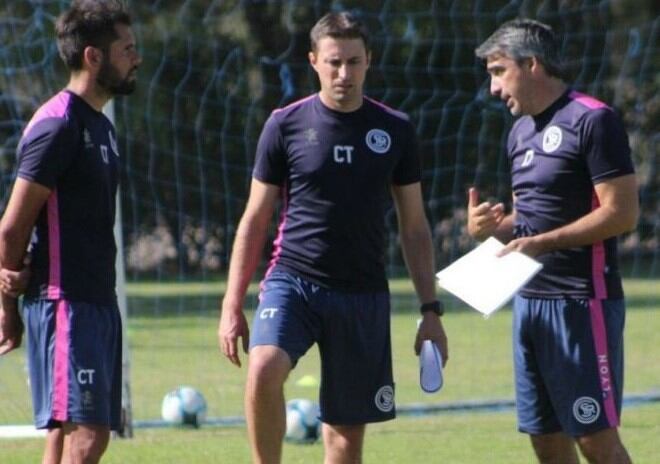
(173, 342)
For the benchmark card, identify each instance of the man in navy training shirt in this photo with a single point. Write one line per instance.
(65, 190)
(574, 191)
(333, 159)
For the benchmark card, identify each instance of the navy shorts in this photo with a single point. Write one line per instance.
(74, 357)
(352, 331)
(568, 359)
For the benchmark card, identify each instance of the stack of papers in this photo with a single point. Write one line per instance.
(485, 281)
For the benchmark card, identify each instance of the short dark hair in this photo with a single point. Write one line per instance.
(339, 25)
(525, 38)
(88, 23)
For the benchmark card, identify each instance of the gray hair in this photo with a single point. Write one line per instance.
(520, 39)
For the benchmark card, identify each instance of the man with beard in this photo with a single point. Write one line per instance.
(62, 206)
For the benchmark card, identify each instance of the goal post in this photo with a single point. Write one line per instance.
(126, 428)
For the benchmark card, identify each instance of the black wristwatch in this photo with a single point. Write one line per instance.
(434, 306)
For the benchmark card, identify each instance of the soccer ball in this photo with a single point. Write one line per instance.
(184, 406)
(302, 421)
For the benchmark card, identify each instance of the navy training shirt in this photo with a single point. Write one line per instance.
(71, 149)
(556, 158)
(336, 170)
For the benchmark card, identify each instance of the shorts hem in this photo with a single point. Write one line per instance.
(50, 423)
(42, 423)
(584, 433)
(570, 433)
(354, 421)
(530, 431)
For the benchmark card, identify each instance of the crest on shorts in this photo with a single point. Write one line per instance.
(378, 141)
(87, 400)
(551, 139)
(586, 410)
(385, 398)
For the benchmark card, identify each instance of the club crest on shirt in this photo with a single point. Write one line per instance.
(378, 141)
(551, 139)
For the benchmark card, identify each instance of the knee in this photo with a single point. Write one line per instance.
(556, 448)
(603, 448)
(268, 369)
(614, 453)
(343, 444)
(87, 445)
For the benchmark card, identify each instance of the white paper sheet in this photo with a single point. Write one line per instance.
(485, 281)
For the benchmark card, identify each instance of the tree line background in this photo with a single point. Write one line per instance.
(214, 70)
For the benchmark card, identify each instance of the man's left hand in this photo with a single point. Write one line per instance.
(531, 246)
(11, 326)
(431, 329)
(14, 283)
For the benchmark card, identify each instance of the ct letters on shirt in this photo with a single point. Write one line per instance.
(336, 170)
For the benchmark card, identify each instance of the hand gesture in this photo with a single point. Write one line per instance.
(483, 218)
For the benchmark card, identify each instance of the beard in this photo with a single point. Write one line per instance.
(111, 81)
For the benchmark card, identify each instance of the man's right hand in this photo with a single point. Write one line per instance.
(232, 326)
(483, 218)
(11, 326)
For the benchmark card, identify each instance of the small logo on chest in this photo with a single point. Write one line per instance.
(87, 138)
(312, 136)
(551, 139)
(527, 160)
(378, 141)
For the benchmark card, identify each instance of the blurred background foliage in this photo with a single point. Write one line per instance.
(213, 71)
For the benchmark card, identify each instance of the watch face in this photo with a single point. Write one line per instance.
(435, 306)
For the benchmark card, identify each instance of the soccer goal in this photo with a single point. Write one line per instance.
(213, 71)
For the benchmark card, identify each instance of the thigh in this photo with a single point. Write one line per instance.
(578, 348)
(357, 385)
(284, 318)
(84, 442)
(343, 443)
(603, 446)
(534, 407)
(77, 378)
(40, 331)
(555, 448)
(594, 402)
